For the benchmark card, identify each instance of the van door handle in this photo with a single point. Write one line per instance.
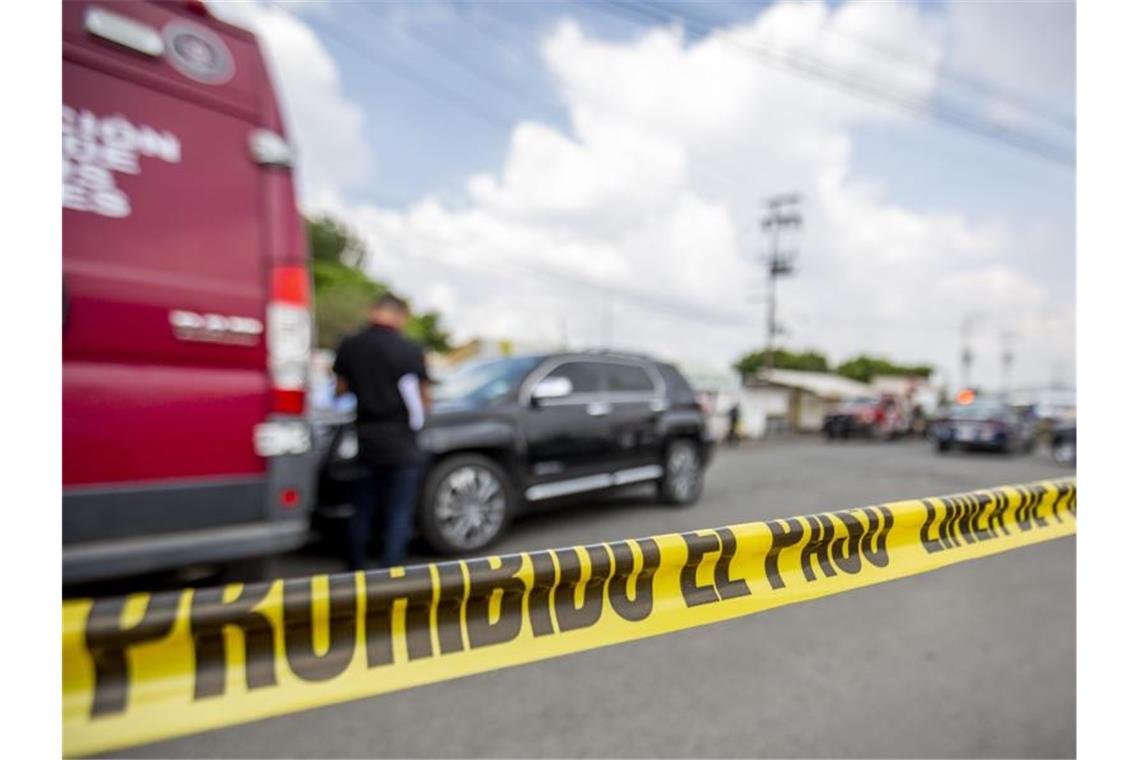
(598, 408)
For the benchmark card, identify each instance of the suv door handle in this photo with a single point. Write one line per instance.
(598, 408)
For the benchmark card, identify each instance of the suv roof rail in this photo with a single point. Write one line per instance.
(614, 352)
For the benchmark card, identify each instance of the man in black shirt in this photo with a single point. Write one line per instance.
(387, 374)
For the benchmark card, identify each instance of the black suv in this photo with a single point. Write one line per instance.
(506, 433)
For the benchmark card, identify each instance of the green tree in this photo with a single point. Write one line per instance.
(332, 241)
(343, 292)
(342, 298)
(425, 328)
(865, 368)
(807, 361)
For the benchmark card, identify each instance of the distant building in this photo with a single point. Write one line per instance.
(779, 401)
(794, 400)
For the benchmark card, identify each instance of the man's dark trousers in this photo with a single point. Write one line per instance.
(392, 489)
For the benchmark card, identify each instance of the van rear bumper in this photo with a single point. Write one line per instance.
(100, 560)
(121, 530)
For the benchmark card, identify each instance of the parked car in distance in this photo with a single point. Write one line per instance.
(878, 418)
(505, 434)
(186, 310)
(987, 424)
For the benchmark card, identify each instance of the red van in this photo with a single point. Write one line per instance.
(187, 321)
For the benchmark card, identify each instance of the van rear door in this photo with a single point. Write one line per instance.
(166, 271)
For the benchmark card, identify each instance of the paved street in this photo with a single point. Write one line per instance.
(974, 660)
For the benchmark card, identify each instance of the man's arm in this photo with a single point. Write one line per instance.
(340, 370)
(425, 380)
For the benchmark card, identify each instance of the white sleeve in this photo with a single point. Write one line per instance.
(409, 386)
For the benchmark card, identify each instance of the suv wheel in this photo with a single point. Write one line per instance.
(683, 477)
(467, 504)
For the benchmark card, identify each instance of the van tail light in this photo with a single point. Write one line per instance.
(289, 334)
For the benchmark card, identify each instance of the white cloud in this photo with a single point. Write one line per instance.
(324, 124)
(654, 194)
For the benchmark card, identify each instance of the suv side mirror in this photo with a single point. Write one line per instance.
(551, 387)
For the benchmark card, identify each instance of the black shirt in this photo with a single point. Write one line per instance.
(383, 370)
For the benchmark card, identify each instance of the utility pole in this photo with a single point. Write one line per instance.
(608, 318)
(1007, 337)
(967, 352)
(782, 214)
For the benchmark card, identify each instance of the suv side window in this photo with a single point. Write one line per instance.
(676, 386)
(628, 378)
(584, 377)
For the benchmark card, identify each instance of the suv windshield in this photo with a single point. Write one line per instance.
(484, 380)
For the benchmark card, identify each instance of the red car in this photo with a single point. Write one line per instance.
(878, 418)
(187, 319)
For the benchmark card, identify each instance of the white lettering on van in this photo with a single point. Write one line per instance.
(215, 328)
(95, 148)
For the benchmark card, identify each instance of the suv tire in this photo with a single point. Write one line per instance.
(684, 476)
(466, 505)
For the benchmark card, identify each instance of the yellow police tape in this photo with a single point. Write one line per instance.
(146, 667)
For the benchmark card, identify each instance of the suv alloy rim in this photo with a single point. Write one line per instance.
(683, 471)
(469, 506)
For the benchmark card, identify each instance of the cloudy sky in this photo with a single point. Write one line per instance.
(594, 173)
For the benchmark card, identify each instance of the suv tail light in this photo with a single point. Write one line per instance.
(289, 335)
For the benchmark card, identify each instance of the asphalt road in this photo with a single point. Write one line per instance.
(974, 660)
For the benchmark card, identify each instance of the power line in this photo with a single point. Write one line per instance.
(444, 94)
(705, 167)
(708, 168)
(981, 88)
(546, 108)
(473, 70)
(873, 89)
(721, 175)
(649, 300)
(862, 87)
